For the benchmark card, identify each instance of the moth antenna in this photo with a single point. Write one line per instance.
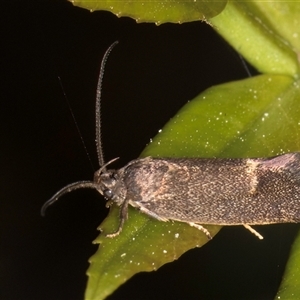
(103, 168)
(98, 107)
(75, 122)
(244, 64)
(69, 188)
(88, 184)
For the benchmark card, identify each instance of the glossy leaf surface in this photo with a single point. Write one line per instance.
(158, 11)
(256, 117)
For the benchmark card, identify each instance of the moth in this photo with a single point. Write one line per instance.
(218, 191)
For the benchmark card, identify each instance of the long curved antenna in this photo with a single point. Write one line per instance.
(69, 188)
(88, 184)
(98, 106)
(74, 186)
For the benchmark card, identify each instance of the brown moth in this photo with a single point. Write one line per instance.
(218, 191)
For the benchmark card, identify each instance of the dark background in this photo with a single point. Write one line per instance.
(151, 74)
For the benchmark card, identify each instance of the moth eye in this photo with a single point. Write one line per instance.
(108, 194)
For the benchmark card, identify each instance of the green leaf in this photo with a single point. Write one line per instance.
(282, 17)
(290, 285)
(256, 117)
(266, 33)
(158, 12)
(144, 245)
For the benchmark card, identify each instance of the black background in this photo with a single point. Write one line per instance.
(153, 72)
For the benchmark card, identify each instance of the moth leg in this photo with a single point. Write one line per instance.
(253, 231)
(201, 228)
(123, 218)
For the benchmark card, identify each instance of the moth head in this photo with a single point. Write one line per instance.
(110, 184)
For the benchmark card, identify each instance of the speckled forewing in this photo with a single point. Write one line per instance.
(217, 191)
